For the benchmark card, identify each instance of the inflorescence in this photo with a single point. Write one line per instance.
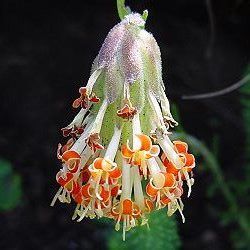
(118, 161)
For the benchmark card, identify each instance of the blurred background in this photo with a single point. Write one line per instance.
(47, 48)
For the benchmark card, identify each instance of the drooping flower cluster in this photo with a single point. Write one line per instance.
(118, 161)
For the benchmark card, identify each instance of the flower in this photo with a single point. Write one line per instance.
(119, 161)
(142, 150)
(85, 99)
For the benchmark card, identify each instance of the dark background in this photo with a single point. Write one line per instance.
(46, 51)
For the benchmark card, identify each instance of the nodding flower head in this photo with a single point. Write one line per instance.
(119, 161)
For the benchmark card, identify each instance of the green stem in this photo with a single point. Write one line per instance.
(122, 10)
(213, 164)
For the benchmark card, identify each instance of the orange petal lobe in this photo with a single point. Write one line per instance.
(145, 141)
(70, 154)
(85, 190)
(181, 147)
(126, 151)
(127, 207)
(151, 190)
(115, 173)
(169, 180)
(98, 162)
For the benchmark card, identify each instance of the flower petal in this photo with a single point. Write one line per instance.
(77, 102)
(165, 200)
(126, 151)
(64, 178)
(169, 180)
(155, 150)
(127, 207)
(115, 173)
(151, 190)
(181, 147)
(85, 190)
(145, 141)
(115, 191)
(98, 163)
(69, 155)
(190, 160)
(105, 194)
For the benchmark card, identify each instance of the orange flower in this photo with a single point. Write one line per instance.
(84, 99)
(188, 160)
(71, 160)
(93, 143)
(127, 112)
(127, 212)
(142, 151)
(108, 170)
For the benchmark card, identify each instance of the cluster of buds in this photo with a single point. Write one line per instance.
(118, 161)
